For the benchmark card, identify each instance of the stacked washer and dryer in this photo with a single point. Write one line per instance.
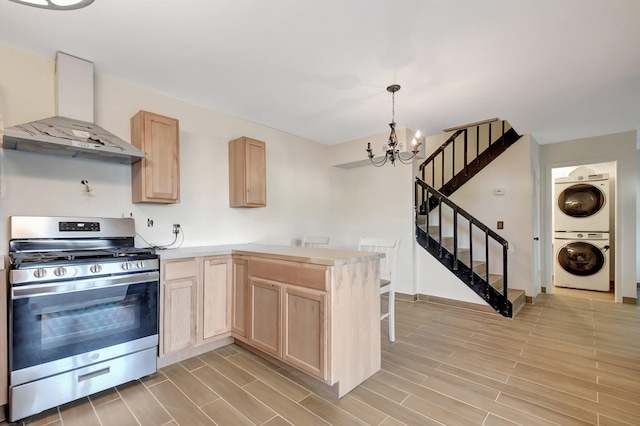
(581, 230)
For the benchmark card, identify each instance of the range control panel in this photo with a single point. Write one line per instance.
(79, 226)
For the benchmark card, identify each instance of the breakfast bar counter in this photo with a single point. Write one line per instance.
(315, 256)
(315, 312)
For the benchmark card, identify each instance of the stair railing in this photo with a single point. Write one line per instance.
(428, 198)
(440, 154)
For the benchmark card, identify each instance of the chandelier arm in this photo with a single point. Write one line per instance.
(379, 163)
(407, 160)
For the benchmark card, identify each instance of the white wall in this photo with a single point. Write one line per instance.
(637, 210)
(621, 149)
(299, 181)
(375, 202)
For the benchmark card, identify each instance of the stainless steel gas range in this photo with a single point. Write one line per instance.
(83, 309)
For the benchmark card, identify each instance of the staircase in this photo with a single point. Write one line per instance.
(473, 252)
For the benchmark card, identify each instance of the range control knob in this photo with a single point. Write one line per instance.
(141, 264)
(40, 273)
(60, 271)
(95, 268)
(126, 266)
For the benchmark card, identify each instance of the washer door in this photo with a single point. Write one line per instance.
(580, 258)
(581, 200)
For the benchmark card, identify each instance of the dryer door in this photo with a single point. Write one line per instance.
(581, 258)
(581, 200)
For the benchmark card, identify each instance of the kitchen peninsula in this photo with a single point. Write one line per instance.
(313, 311)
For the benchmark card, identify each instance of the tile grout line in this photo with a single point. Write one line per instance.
(266, 384)
(126, 404)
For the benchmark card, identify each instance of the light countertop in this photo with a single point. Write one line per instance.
(317, 256)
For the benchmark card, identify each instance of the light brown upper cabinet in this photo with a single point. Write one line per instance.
(156, 178)
(247, 173)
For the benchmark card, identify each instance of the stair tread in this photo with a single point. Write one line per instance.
(495, 279)
(513, 294)
(518, 300)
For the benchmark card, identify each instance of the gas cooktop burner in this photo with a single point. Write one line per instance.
(46, 257)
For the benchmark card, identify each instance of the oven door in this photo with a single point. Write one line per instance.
(55, 327)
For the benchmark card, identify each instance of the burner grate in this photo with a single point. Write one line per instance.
(47, 257)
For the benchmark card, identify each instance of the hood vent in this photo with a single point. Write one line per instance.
(72, 132)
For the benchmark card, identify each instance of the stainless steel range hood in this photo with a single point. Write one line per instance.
(72, 132)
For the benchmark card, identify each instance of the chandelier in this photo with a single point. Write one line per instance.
(56, 4)
(392, 151)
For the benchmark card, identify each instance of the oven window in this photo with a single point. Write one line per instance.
(56, 326)
(96, 321)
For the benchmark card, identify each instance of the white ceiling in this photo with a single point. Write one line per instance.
(319, 69)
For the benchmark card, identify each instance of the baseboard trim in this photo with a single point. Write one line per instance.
(181, 355)
(406, 297)
(450, 302)
(456, 303)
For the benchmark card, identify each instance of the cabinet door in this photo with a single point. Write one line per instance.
(266, 316)
(179, 314)
(216, 297)
(256, 173)
(247, 173)
(305, 330)
(240, 298)
(156, 178)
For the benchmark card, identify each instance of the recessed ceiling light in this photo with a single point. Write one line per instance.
(56, 4)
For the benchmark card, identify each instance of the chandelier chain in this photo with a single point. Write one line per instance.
(393, 107)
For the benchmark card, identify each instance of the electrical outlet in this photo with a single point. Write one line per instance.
(150, 223)
(176, 228)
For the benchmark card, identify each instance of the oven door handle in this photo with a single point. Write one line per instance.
(35, 290)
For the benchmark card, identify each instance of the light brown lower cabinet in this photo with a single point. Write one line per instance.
(195, 302)
(216, 295)
(266, 316)
(179, 295)
(305, 330)
(288, 313)
(240, 298)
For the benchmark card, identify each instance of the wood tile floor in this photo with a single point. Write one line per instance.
(572, 358)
